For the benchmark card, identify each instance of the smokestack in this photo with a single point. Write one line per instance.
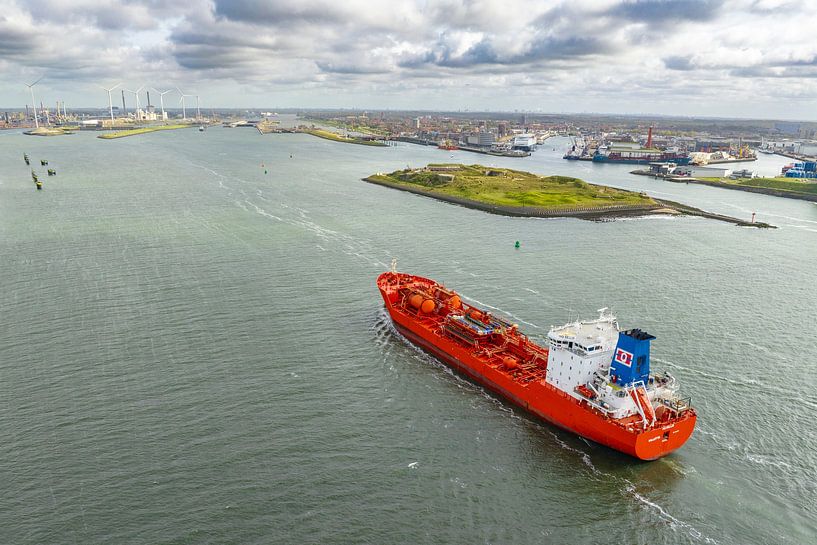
(148, 92)
(124, 108)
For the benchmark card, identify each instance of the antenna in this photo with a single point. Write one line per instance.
(162, 99)
(33, 104)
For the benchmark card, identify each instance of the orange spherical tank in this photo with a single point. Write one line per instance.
(510, 363)
(428, 306)
(416, 300)
(455, 302)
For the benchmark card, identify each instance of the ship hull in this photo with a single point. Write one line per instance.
(605, 159)
(543, 400)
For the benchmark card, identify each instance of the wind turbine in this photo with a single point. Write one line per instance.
(181, 99)
(110, 102)
(161, 99)
(198, 113)
(136, 94)
(33, 105)
(184, 112)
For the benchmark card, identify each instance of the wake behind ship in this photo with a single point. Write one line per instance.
(592, 379)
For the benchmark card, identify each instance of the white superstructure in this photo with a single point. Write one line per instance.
(582, 361)
(579, 349)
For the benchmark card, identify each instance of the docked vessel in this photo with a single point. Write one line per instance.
(639, 156)
(592, 378)
(448, 145)
(629, 152)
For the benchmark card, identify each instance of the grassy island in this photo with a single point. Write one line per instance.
(339, 138)
(141, 130)
(792, 188)
(363, 129)
(50, 131)
(512, 188)
(803, 188)
(517, 193)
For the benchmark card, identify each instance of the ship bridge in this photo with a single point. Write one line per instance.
(579, 349)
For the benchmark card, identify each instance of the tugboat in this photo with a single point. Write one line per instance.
(592, 378)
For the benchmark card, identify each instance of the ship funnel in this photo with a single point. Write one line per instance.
(631, 360)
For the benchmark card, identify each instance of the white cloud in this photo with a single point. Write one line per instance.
(736, 57)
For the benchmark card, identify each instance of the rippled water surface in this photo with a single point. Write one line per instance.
(194, 351)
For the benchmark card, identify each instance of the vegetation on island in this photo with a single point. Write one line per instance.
(512, 188)
(340, 138)
(780, 183)
(51, 131)
(142, 130)
(363, 129)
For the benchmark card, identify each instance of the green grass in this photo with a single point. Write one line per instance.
(141, 130)
(338, 138)
(794, 185)
(364, 129)
(515, 188)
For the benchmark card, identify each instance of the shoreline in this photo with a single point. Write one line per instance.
(730, 161)
(326, 135)
(431, 143)
(751, 189)
(142, 130)
(603, 213)
(49, 131)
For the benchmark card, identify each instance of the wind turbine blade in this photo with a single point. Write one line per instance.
(38, 81)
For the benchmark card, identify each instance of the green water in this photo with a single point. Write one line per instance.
(192, 351)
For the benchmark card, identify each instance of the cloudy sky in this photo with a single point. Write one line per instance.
(742, 58)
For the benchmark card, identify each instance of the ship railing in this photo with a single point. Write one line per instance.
(598, 407)
(594, 404)
(679, 405)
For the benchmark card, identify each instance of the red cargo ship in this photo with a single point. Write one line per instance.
(591, 379)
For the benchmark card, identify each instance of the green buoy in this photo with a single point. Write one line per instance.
(516, 245)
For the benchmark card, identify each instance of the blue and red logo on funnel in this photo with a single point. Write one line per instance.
(623, 357)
